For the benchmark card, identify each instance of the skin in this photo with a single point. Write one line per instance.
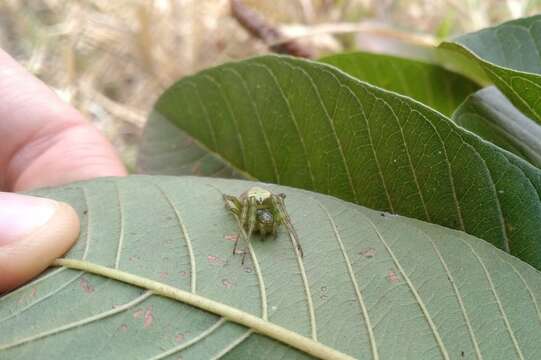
(44, 142)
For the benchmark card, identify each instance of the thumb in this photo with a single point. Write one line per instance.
(33, 232)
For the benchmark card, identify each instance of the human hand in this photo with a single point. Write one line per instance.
(43, 142)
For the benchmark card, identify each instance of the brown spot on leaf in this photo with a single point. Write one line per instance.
(323, 293)
(227, 283)
(149, 317)
(163, 274)
(393, 277)
(232, 237)
(196, 169)
(86, 286)
(179, 338)
(123, 328)
(138, 313)
(27, 296)
(239, 251)
(215, 260)
(368, 252)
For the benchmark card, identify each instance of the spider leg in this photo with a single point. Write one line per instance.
(262, 230)
(235, 246)
(242, 234)
(252, 208)
(278, 203)
(244, 212)
(275, 228)
(232, 203)
(247, 219)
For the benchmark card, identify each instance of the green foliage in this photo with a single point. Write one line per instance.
(370, 285)
(509, 57)
(490, 115)
(428, 83)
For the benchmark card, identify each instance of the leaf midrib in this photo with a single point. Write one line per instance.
(229, 313)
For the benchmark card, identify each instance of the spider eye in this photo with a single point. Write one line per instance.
(264, 216)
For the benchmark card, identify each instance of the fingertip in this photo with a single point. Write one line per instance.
(26, 257)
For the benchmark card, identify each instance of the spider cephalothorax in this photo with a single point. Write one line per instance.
(259, 210)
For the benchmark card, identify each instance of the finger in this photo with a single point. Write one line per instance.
(45, 141)
(33, 232)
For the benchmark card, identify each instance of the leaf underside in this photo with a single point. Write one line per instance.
(167, 150)
(311, 126)
(372, 285)
(490, 115)
(509, 55)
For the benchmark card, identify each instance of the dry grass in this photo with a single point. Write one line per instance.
(112, 58)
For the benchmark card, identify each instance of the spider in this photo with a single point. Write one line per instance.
(259, 210)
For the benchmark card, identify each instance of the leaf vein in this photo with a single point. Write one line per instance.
(193, 341)
(416, 295)
(262, 130)
(78, 323)
(182, 226)
(367, 322)
(331, 124)
(497, 299)
(232, 116)
(292, 117)
(458, 297)
(233, 344)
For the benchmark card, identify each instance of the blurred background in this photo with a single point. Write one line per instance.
(111, 59)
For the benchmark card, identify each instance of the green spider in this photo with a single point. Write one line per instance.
(259, 210)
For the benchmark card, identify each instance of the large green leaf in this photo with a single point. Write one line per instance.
(371, 285)
(490, 115)
(168, 150)
(309, 125)
(430, 84)
(509, 56)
